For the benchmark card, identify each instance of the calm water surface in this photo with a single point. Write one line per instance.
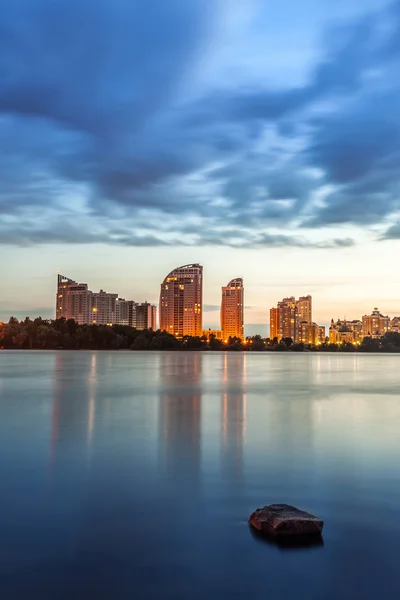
(132, 475)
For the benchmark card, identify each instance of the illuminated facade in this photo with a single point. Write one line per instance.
(181, 301)
(321, 334)
(273, 323)
(345, 331)
(375, 325)
(395, 324)
(304, 309)
(232, 309)
(311, 333)
(216, 333)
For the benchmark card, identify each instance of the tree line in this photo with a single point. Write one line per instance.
(41, 334)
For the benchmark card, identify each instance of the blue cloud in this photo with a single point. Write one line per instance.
(108, 133)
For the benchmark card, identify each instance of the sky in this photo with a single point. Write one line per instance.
(260, 138)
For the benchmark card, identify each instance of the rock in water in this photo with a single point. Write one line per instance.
(285, 520)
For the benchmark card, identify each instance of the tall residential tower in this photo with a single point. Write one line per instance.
(232, 310)
(181, 301)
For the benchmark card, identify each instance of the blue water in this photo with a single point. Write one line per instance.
(132, 475)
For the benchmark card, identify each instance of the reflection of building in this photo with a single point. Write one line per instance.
(181, 300)
(180, 418)
(233, 414)
(375, 325)
(345, 331)
(73, 415)
(232, 309)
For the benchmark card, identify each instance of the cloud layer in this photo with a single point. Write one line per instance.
(110, 131)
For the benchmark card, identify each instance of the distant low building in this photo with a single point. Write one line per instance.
(395, 324)
(311, 333)
(216, 333)
(345, 331)
(321, 334)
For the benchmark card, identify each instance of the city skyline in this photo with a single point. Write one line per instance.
(182, 291)
(218, 142)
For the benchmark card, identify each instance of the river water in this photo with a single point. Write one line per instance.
(132, 474)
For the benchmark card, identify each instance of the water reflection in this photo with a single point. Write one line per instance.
(233, 414)
(75, 384)
(180, 401)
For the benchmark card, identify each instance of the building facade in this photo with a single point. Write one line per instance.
(274, 323)
(215, 333)
(309, 333)
(304, 309)
(73, 301)
(321, 334)
(375, 325)
(395, 324)
(181, 301)
(292, 319)
(124, 312)
(232, 309)
(104, 308)
(345, 331)
(145, 316)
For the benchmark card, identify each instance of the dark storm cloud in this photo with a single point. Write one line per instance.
(98, 120)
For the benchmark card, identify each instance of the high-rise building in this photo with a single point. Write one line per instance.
(181, 301)
(145, 316)
(290, 318)
(103, 311)
(73, 300)
(304, 309)
(124, 312)
(274, 323)
(232, 309)
(375, 325)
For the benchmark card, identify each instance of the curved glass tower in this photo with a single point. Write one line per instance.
(232, 310)
(181, 301)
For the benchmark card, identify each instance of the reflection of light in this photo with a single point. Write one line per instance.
(244, 424)
(92, 406)
(92, 397)
(225, 416)
(225, 367)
